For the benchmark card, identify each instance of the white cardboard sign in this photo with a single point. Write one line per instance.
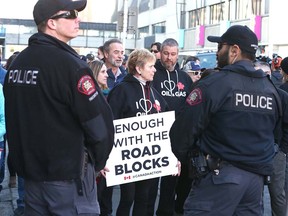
(142, 149)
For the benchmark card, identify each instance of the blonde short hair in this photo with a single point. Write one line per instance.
(139, 57)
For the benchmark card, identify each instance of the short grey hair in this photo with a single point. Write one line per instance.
(169, 42)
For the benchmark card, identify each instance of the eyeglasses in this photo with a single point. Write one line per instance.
(196, 73)
(73, 14)
(154, 51)
(220, 45)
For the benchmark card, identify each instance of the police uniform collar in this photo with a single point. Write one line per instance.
(42, 38)
(244, 67)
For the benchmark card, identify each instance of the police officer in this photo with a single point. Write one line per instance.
(230, 117)
(59, 125)
(174, 85)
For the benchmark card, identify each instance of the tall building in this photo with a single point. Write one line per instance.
(138, 23)
(191, 21)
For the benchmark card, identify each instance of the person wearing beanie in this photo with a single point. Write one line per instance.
(284, 87)
(90, 57)
(284, 72)
(227, 125)
(59, 125)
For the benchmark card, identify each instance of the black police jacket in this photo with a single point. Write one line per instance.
(231, 114)
(54, 111)
(281, 134)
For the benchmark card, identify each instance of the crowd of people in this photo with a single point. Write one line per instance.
(230, 133)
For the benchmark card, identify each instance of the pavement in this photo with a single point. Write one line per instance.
(8, 197)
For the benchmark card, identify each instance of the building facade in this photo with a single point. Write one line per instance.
(191, 21)
(17, 25)
(139, 23)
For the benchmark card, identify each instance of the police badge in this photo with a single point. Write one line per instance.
(195, 97)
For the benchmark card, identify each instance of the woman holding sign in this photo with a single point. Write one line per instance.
(134, 96)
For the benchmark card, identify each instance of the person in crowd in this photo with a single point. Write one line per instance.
(183, 186)
(90, 57)
(276, 76)
(12, 172)
(3, 72)
(2, 141)
(19, 211)
(258, 64)
(227, 132)
(83, 57)
(277, 185)
(125, 60)
(194, 70)
(284, 72)
(174, 85)
(113, 57)
(185, 181)
(100, 53)
(123, 100)
(10, 60)
(284, 87)
(99, 70)
(192, 58)
(59, 128)
(155, 49)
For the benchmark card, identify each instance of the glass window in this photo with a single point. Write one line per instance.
(197, 17)
(143, 6)
(216, 13)
(242, 9)
(256, 7)
(159, 3)
(267, 2)
(143, 32)
(159, 28)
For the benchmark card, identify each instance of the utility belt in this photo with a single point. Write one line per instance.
(200, 165)
(84, 167)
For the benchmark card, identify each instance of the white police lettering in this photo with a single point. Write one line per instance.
(28, 77)
(253, 101)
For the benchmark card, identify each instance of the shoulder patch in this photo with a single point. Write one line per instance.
(86, 85)
(195, 97)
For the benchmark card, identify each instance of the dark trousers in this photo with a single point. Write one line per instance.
(152, 196)
(167, 196)
(232, 192)
(183, 188)
(277, 185)
(11, 169)
(137, 193)
(61, 197)
(104, 197)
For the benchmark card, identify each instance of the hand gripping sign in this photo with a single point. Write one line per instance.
(142, 149)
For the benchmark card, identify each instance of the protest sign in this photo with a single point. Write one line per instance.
(141, 149)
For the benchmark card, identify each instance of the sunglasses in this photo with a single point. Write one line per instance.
(73, 14)
(154, 51)
(196, 73)
(220, 45)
